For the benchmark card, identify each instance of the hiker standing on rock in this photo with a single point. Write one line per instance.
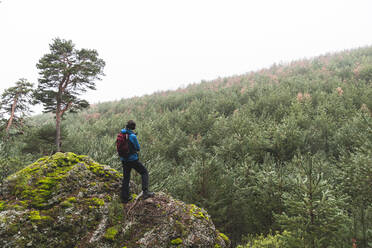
(128, 147)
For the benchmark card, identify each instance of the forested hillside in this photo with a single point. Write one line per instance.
(285, 152)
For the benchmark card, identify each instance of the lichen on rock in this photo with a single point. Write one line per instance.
(69, 200)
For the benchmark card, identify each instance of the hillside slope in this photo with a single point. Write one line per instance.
(68, 200)
(251, 149)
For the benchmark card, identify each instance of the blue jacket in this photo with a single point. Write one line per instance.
(135, 145)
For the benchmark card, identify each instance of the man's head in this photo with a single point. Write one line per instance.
(131, 125)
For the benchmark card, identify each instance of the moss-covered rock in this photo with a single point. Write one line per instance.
(67, 200)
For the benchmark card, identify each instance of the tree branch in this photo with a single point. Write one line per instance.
(66, 108)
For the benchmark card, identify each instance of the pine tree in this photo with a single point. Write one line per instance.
(356, 180)
(66, 73)
(2, 120)
(314, 212)
(16, 101)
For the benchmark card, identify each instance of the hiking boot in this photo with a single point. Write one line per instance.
(126, 200)
(147, 194)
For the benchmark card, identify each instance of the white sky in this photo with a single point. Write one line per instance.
(151, 45)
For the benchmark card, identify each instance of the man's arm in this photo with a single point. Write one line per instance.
(134, 140)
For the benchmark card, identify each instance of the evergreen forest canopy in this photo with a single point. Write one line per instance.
(280, 156)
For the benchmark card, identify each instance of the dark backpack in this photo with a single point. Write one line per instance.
(122, 145)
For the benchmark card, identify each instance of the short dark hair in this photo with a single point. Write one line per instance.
(131, 125)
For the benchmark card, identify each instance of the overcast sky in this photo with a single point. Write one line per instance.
(156, 45)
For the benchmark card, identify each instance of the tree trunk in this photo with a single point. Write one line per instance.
(58, 118)
(59, 114)
(10, 121)
(58, 131)
(311, 207)
(364, 229)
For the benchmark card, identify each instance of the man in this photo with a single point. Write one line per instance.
(132, 162)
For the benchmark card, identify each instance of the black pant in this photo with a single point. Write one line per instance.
(140, 168)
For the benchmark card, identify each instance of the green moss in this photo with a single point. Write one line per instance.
(217, 246)
(111, 233)
(38, 197)
(37, 182)
(21, 179)
(66, 204)
(100, 170)
(66, 159)
(200, 215)
(2, 205)
(97, 202)
(72, 199)
(18, 207)
(197, 212)
(223, 236)
(48, 183)
(97, 169)
(108, 198)
(34, 216)
(176, 241)
(23, 204)
(39, 187)
(82, 157)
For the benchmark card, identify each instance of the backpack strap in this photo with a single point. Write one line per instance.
(130, 145)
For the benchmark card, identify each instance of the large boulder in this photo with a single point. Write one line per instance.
(67, 200)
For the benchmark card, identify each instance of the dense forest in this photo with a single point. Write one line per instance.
(280, 157)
